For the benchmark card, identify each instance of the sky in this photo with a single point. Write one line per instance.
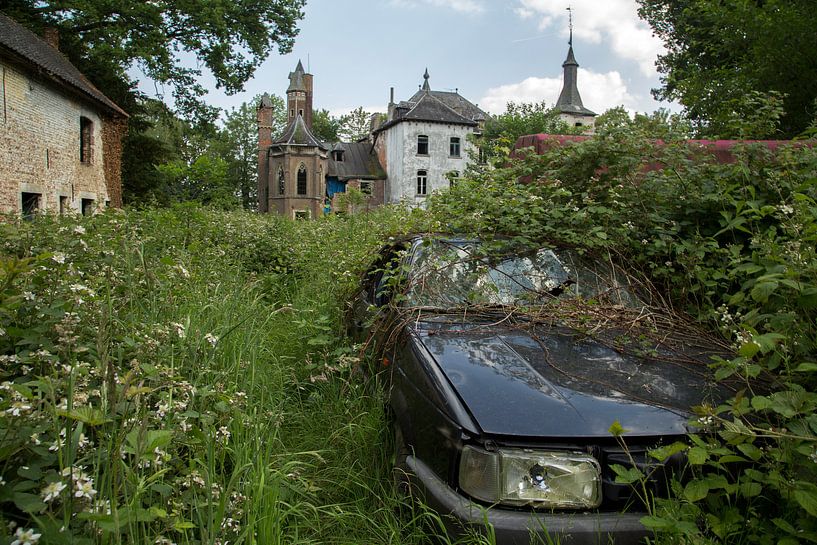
(491, 51)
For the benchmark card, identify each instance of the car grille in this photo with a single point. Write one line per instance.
(617, 496)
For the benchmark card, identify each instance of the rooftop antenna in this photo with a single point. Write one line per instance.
(570, 19)
(309, 63)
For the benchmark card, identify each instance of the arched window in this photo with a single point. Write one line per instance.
(302, 179)
(422, 180)
(281, 181)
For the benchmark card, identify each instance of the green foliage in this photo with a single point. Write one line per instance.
(181, 375)
(717, 52)
(355, 125)
(230, 39)
(325, 126)
(520, 119)
(731, 243)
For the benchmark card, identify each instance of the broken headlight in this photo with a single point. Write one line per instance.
(557, 480)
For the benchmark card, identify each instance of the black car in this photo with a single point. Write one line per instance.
(508, 366)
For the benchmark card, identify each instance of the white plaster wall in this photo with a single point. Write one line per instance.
(587, 121)
(39, 145)
(403, 161)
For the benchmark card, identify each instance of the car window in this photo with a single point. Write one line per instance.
(452, 274)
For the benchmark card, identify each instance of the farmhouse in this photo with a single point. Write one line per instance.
(60, 137)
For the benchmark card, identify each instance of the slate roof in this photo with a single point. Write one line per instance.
(569, 99)
(296, 79)
(296, 133)
(49, 62)
(359, 162)
(456, 102)
(427, 108)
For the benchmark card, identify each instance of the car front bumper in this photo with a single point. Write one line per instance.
(519, 527)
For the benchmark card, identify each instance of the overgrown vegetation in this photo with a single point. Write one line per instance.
(731, 243)
(180, 376)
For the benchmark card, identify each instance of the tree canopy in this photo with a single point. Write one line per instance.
(228, 38)
(724, 57)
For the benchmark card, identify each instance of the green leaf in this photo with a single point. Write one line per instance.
(806, 496)
(664, 452)
(656, 523)
(750, 451)
(763, 290)
(696, 490)
(627, 475)
(616, 429)
(750, 490)
(697, 456)
(29, 503)
(749, 349)
(86, 415)
(806, 367)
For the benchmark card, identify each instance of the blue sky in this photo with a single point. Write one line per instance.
(492, 51)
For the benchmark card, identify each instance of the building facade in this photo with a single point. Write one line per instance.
(60, 137)
(424, 144)
(302, 177)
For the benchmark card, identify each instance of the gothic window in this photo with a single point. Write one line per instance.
(422, 182)
(422, 145)
(454, 147)
(302, 179)
(281, 182)
(86, 139)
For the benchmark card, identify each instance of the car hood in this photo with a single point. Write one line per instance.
(550, 381)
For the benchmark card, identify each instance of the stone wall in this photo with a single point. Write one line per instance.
(40, 147)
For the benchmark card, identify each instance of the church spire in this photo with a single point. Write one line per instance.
(569, 99)
(426, 86)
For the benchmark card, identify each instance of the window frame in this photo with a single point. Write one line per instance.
(422, 143)
(452, 142)
(86, 140)
(367, 187)
(421, 186)
(302, 182)
(282, 182)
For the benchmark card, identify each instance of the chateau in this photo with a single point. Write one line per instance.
(421, 146)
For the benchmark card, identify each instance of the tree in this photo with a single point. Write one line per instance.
(325, 126)
(521, 118)
(238, 145)
(723, 57)
(355, 125)
(105, 39)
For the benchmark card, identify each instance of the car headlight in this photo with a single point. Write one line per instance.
(527, 477)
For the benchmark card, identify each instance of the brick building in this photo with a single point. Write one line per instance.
(299, 176)
(60, 137)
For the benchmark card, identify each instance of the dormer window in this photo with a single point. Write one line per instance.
(422, 145)
(337, 155)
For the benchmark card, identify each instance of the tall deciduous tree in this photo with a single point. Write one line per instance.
(724, 56)
(105, 39)
(238, 145)
(325, 126)
(355, 125)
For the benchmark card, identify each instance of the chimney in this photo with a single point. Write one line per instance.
(308, 105)
(51, 36)
(390, 115)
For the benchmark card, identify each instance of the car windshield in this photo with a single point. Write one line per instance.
(448, 274)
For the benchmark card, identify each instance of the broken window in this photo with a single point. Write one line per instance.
(65, 204)
(366, 188)
(454, 147)
(87, 207)
(86, 140)
(422, 145)
(301, 214)
(281, 181)
(452, 177)
(422, 180)
(337, 155)
(302, 179)
(31, 205)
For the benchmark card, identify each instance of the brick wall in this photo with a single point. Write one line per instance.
(40, 146)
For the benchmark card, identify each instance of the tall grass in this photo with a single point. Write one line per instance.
(181, 376)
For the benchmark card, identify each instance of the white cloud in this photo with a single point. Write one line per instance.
(613, 22)
(463, 6)
(599, 92)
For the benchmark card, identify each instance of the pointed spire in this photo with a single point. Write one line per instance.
(296, 79)
(569, 99)
(570, 19)
(426, 86)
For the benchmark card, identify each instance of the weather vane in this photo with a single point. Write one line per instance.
(570, 18)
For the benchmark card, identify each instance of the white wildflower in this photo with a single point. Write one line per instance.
(25, 537)
(212, 339)
(223, 434)
(17, 408)
(28, 296)
(85, 489)
(786, 209)
(179, 329)
(79, 230)
(58, 258)
(52, 491)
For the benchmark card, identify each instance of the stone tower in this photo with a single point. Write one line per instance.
(292, 167)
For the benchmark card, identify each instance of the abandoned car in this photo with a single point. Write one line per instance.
(507, 370)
